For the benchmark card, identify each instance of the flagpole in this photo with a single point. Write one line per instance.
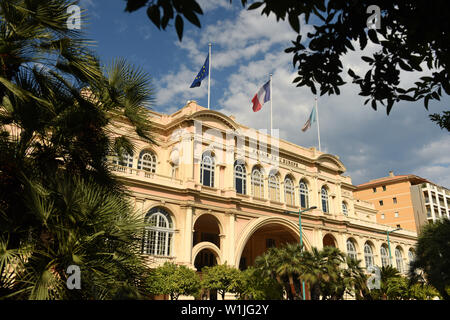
(209, 74)
(318, 127)
(271, 96)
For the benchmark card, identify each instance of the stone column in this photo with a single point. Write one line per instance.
(187, 246)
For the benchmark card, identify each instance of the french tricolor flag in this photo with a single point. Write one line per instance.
(261, 97)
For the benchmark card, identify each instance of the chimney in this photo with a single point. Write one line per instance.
(391, 173)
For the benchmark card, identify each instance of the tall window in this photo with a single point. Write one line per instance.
(384, 256)
(207, 170)
(127, 160)
(274, 187)
(289, 191)
(368, 255)
(304, 198)
(351, 250)
(324, 196)
(410, 256)
(147, 161)
(158, 235)
(344, 208)
(239, 178)
(257, 183)
(399, 260)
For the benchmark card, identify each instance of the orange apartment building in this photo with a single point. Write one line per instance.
(405, 201)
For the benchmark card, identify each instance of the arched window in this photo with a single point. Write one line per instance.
(257, 183)
(304, 197)
(289, 191)
(147, 161)
(384, 256)
(158, 235)
(351, 250)
(399, 259)
(127, 160)
(368, 255)
(344, 209)
(240, 177)
(411, 256)
(274, 187)
(324, 197)
(207, 170)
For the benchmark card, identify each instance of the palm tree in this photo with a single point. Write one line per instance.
(79, 223)
(289, 265)
(268, 264)
(57, 114)
(356, 279)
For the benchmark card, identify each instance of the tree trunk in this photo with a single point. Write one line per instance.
(291, 284)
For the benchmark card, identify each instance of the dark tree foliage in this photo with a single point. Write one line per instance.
(412, 34)
(433, 256)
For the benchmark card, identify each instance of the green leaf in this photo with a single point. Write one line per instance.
(351, 73)
(255, 5)
(192, 17)
(179, 26)
(406, 97)
(373, 36)
(155, 16)
(367, 59)
(294, 22)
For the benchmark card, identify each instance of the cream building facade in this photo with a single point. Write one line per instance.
(219, 192)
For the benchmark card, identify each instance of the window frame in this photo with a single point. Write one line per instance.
(274, 186)
(351, 252)
(207, 168)
(368, 255)
(304, 193)
(324, 200)
(384, 255)
(241, 176)
(258, 182)
(158, 240)
(289, 190)
(147, 165)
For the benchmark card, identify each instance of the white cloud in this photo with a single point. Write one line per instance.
(250, 46)
(210, 5)
(437, 174)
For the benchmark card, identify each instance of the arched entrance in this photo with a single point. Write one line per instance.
(205, 258)
(206, 228)
(262, 234)
(329, 241)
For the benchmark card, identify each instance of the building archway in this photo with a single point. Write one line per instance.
(329, 241)
(206, 229)
(205, 255)
(263, 233)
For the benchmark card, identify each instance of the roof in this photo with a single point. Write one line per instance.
(393, 179)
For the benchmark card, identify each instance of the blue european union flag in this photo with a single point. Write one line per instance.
(201, 74)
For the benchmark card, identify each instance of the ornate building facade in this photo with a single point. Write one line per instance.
(219, 192)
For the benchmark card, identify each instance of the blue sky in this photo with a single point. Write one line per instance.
(246, 48)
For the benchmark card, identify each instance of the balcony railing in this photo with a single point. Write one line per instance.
(144, 174)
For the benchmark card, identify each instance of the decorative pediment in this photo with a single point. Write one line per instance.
(215, 119)
(331, 162)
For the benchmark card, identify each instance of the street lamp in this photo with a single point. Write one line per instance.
(389, 244)
(300, 211)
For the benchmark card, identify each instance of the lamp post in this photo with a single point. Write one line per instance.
(389, 244)
(300, 211)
